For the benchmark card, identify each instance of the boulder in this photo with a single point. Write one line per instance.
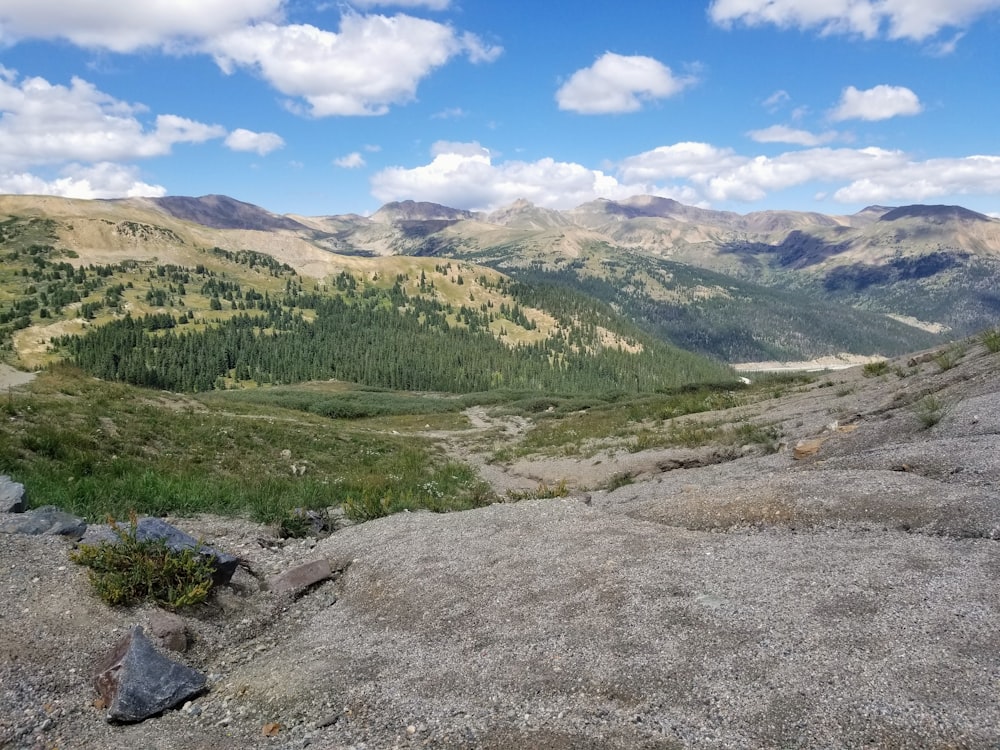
(48, 520)
(11, 496)
(156, 528)
(135, 681)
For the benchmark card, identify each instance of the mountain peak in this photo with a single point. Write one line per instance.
(934, 213)
(408, 210)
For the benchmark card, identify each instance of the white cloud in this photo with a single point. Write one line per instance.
(247, 140)
(371, 63)
(353, 160)
(619, 83)
(878, 103)
(449, 113)
(125, 27)
(104, 180)
(464, 175)
(468, 175)
(776, 100)
(785, 134)
(926, 180)
(896, 19)
(865, 175)
(44, 123)
(697, 162)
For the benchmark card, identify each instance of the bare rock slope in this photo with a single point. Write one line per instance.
(846, 599)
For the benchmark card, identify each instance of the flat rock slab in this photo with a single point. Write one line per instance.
(48, 520)
(135, 681)
(11, 495)
(301, 577)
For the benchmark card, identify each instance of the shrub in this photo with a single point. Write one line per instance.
(949, 357)
(543, 490)
(132, 570)
(929, 410)
(991, 340)
(874, 369)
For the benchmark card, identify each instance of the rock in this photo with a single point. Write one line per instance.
(807, 448)
(135, 681)
(11, 496)
(155, 528)
(168, 631)
(301, 577)
(47, 520)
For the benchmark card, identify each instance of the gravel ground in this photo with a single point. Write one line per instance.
(845, 600)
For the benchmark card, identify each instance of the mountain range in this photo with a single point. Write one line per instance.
(765, 285)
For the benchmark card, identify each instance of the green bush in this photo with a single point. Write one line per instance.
(929, 410)
(874, 369)
(131, 570)
(991, 340)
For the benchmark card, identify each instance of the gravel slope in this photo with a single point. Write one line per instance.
(848, 599)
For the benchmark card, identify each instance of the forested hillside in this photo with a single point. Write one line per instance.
(712, 313)
(385, 338)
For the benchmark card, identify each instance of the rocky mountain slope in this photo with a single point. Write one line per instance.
(767, 285)
(839, 592)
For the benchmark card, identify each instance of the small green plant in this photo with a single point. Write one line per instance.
(991, 340)
(132, 570)
(949, 357)
(929, 410)
(366, 507)
(621, 479)
(874, 369)
(542, 491)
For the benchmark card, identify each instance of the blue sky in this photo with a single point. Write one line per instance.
(318, 108)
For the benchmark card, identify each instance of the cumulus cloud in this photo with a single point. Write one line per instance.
(785, 134)
(104, 180)
(619, 83)
(353, 160)
(863, 175)
(247, 140)
(926, 180)
(126, 27)
(878, 103)
(372, 62)
(465, 175)
(468, 175)
(896, 19)
(45, 123)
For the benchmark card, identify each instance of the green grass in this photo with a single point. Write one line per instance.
(101, 449)
(949, 356)
(991, 340)
(929, 410)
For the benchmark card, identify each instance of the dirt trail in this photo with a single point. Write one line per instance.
(11, 378)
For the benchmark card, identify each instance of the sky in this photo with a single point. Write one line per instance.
(316, 107)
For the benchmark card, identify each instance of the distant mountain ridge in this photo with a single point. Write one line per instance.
(762, 285)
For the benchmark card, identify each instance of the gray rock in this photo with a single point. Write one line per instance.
(12, 498)
(156, 528)
(135, 681)
(48, 520)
